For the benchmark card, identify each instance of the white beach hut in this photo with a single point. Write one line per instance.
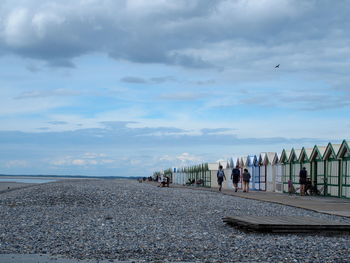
(278, 172)
(270, 174)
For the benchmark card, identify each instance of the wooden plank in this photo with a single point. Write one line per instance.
(285, 224)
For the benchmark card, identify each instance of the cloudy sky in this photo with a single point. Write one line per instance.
(126, 87)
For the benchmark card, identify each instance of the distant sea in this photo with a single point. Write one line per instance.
(40, 179)
(26, 181)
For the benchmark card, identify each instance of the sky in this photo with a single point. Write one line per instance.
(129, 87)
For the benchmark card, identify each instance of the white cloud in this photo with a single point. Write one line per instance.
(16, 163)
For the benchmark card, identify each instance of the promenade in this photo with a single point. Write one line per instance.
(321, 204)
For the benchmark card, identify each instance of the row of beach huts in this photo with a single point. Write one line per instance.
(328, 168)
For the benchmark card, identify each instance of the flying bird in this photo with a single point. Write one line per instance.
(277, 66)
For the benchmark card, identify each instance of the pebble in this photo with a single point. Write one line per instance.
(126, 220)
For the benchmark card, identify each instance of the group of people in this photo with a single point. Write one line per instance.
(235, 177)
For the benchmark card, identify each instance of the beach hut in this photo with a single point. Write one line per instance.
(262, 172)
(240, 166)
(317, 168)
(295, 167)
(344, 156)
(228, 169)
(278, 173)
(213, 168)
(332, 165)
(256, 174)
(270, 174)
(249, 165)
(285, 165)
(304, 160)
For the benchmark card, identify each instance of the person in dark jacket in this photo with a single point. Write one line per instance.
(246, 179)
(302, 180)
(221, 177)
(235, 176)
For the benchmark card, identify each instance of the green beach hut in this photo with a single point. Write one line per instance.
(285, 166)
(294, 167)
(332, 165)
(344, 156)
(317, 168)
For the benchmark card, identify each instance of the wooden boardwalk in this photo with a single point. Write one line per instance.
(286, 224)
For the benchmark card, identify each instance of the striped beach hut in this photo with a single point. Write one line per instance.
(278, 171)
(344, 156)
(285, 165)
(304, 160)
(332, 165)
(262, 172)
(256, 174)
(270, 174)
(295, 167)
(227, 169)
(317, 168)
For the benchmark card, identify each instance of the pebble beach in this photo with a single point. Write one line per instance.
(123, 220)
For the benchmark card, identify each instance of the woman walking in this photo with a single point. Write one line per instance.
(246, 179)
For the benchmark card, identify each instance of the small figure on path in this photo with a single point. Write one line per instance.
(302, 180)
(221, 177)
(246, 179)
(235, 176)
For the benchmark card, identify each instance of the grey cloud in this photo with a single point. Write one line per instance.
(46, 93)
(154, 80)
(58, 122)
(119, 135)
(183, 96)
(135, 80)
(184, 33)
(317, 100)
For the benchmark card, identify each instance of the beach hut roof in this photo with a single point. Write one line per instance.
(294, 155)
(284, 156)
(331, 151)
(317, 152)
(243, 161)
(305, 154)
(262, 157)
(213, 166)
(232, 163)
(276, 159)
(250, 160)
(270, 157)
(344, 148)
(223, 163)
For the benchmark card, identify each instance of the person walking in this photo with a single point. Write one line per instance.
(302, 180)
(235, 176)
(246, 179)
(221, 177)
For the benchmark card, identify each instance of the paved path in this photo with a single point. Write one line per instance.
(327, 205)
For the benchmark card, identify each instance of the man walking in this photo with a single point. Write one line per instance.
(221, 177)
(235, 176)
